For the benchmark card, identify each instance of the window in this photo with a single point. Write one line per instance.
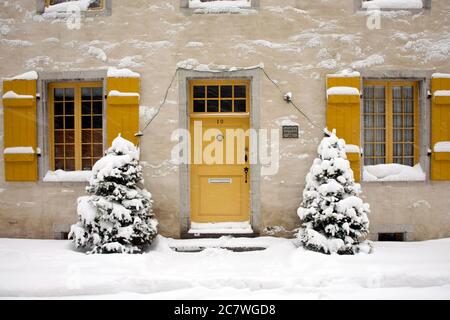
(390, 123)
(220, 96)
(76, 125)
(94, 5)
(396, 236)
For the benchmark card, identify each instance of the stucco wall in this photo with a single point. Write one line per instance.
(298, 42)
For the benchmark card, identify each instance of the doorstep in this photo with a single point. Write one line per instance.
(232, 243)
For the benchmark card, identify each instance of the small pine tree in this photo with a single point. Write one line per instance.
(117, 215)
(334, 217)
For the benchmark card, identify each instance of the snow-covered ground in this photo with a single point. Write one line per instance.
(53, 269)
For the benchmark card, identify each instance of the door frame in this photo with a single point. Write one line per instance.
(184, 77)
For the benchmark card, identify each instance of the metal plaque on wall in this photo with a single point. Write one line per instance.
(290, 132)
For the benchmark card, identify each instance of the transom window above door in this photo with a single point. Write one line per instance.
(76, 125)
(228, 96)
(390, 122)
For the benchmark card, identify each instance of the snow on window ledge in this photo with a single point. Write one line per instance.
(393, 172)
(67, 176)
(346, 91)
(220, 6)
(13, 95)
(68, 8)
(394, 4)
(352, 148)
(442, 93)
(442, 146)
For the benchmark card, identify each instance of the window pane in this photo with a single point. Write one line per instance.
(368, 92)
(97, 150)
(226, 91)
(70, 151)
(59, 108)
(213, 105)
(380, 136)
(398, 149)
(409, 135)
(97, 94)
(86, 136)
(226, 106)
(213, 91)
(409, 162)
(408, 92)
(59, 151)
(97, 107)
(70, 165)
(380, 150)
(397, 92)
(369, 121)
(368, 150)
(86, 93)
(368, 106)
(199, 92)
(86, 164)
(70, 136)
(59, 164)
(380, 122)
(409, 106)
(199, 105)
(86, 107)
(409, 149)
(69, 94)
(240, 92)
(379, 92)
(369, 136)
(69, 108)
(86, 150)
(97, 136)
(69, 123)
(397, 106)
(86, 122)
(58, 94)
(59, 123)
(409, 121)
(380, 106)
(240, 105)
(397, 135)
(97, 122)
(397, 121)
(59, 136)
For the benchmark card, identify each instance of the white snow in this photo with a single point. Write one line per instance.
(122, 73)
(440, 75)
(193, 64)
(53, 269)
(442, 93)
(220, 6)
(68, 6)
(346, 91)
(371, 60)
(13, 95)
(346, 73)
(393, 172)
(352, 148)
(19, 150)
(221, 228)
(393, 4)
(442, 146)
(116, 93)
(67, 176)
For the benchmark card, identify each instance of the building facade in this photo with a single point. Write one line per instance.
(89, 70)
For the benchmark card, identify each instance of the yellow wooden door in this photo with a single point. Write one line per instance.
(220, 167)
(220, 184)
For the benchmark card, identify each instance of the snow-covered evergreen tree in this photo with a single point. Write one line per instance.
(117, 215)
(334, 217)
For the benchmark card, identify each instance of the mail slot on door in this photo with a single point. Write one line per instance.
(220, 180)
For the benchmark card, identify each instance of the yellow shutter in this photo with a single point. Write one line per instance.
(122, 113)
(343, 114)
(19, 123)
(440, 128)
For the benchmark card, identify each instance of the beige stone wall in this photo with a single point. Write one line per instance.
(299, 42)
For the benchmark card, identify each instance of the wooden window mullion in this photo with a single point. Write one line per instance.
(389, 124)
(78, 128)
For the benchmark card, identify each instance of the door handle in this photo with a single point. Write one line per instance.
(246, 174)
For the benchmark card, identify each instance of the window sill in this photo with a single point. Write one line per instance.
(67, 176)
(220, 9)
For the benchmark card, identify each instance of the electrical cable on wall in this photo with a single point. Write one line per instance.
(287, 98)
